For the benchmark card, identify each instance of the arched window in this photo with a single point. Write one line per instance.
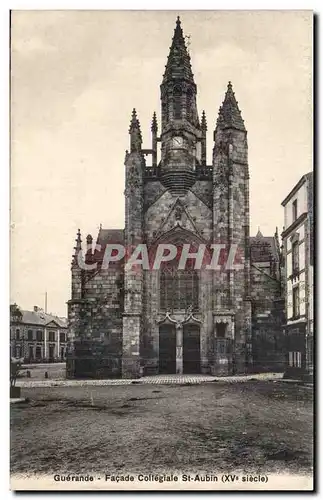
(179, 289)
(177, 102)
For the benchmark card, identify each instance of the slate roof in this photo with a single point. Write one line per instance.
(105, 237)
(40, 318)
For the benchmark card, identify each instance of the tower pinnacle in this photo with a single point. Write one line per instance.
(135, 132)
(229, 112)
(77, 248)
(203, 122)
(154, 125)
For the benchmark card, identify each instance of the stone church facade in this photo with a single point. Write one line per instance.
(133, 321)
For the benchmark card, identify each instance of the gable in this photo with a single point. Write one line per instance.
(170, 211)
(177, 217)
(52, 324)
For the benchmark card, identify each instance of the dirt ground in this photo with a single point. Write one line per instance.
(220, 426)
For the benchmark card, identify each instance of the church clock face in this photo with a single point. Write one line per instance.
(177, 142)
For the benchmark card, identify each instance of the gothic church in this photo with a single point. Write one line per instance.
(129, 323)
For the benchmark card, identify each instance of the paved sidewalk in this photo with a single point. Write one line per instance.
(153, 379)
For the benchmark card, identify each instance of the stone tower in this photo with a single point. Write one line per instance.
(198, 319)
(187, 201)
(231, 223)
(180, 134)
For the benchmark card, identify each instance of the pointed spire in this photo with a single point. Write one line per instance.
(135, 133)
(154, 124)
(229, 113)
(77, 248)
(179, 62)
(154, 130)
(259, 233)
(203, 122)
(134, 123)
(78, 240)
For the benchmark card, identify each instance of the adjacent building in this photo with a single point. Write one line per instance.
(268, 308)
(128, 322)
(37, 336)
(298, 244)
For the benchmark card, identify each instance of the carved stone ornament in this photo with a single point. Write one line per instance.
(189, 317)
(178, 213)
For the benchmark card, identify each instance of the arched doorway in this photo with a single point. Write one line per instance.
(191, 348)
(179, 302)
(167, 348)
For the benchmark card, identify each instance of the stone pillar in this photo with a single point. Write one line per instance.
(179, 349)
(133, 274)
(131, 345)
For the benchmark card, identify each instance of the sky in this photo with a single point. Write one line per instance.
(75, 77)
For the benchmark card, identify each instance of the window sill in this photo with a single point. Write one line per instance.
(294, 318)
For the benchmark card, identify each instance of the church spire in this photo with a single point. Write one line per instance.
(229, 113)
(135, 133)
(178, 65)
